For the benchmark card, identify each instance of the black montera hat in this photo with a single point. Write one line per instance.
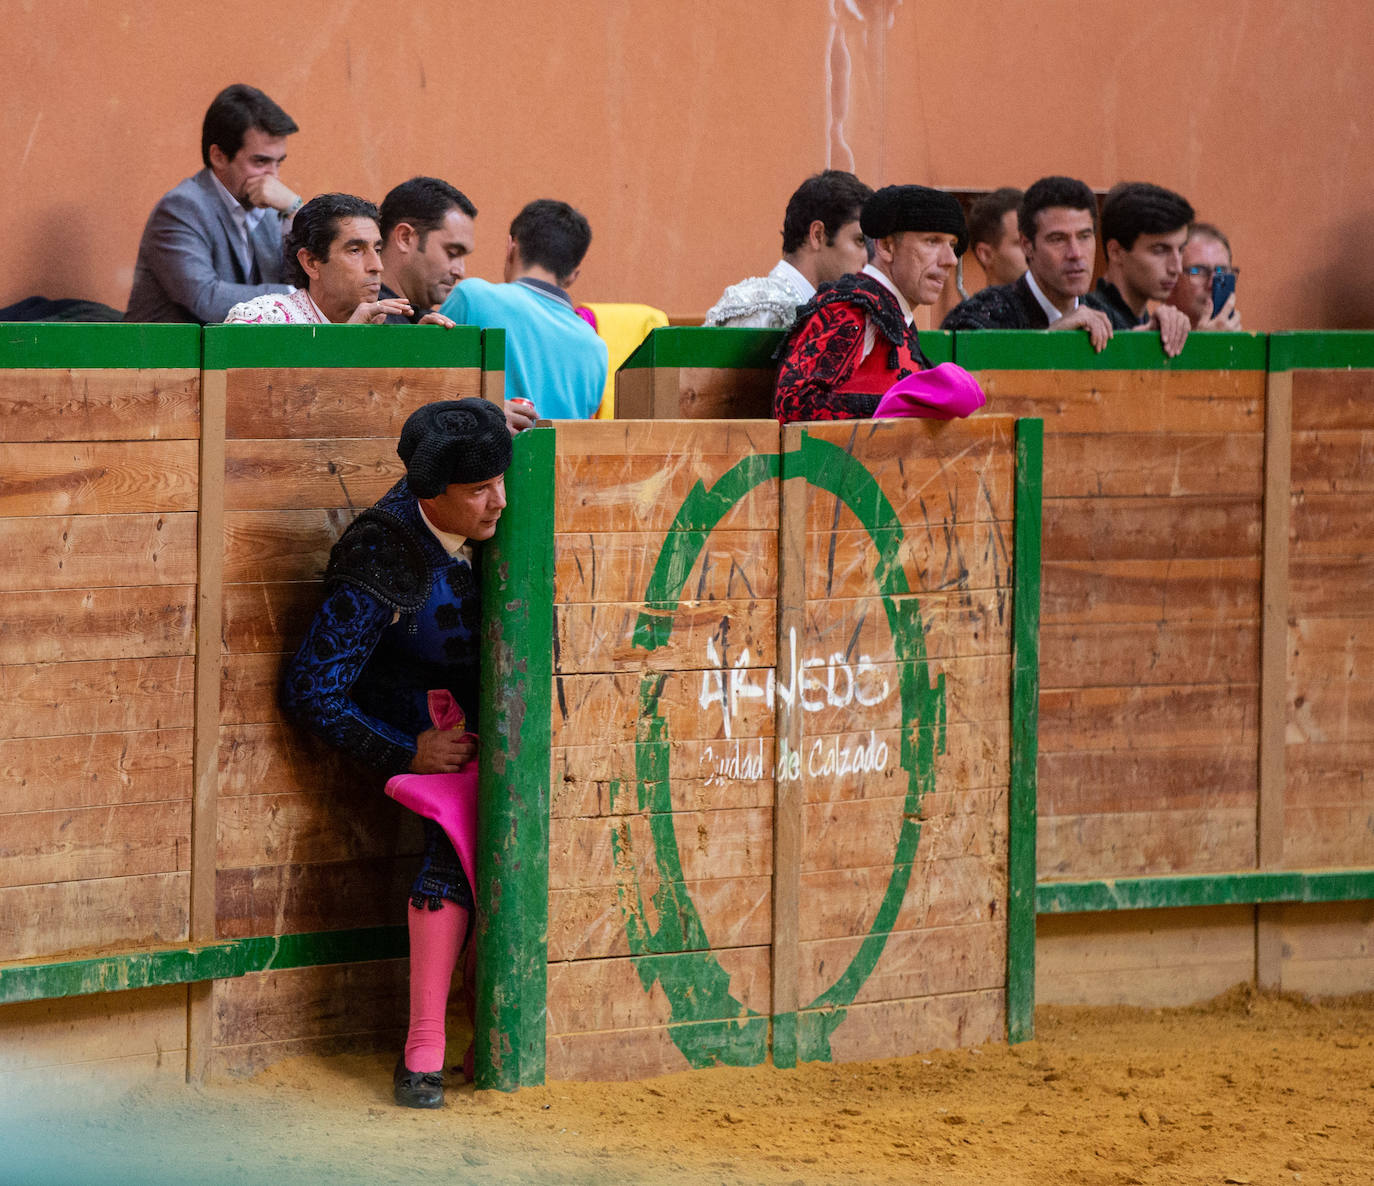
(453, 440)
(897, 208)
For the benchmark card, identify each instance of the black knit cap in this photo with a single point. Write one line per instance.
(453, 440)
(897, 208)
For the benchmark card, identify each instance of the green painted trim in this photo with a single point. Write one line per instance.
(938, 345)
(1039, 350)
(1025, 715)
(1321, 350)
(706, 346)
(236, 347)
(513, 760)
(1247, 888)
(59, 345)
(186, 965)
(493, 350)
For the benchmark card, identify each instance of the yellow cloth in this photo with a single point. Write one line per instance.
(622, 327)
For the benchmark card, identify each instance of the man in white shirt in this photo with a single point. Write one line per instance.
(216, 239)
(821, 241)
(1058, 223)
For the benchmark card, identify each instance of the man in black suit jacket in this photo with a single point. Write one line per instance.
(216, 239)
(1058, 223)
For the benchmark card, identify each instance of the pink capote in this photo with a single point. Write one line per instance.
(450, 800)
(945, 392)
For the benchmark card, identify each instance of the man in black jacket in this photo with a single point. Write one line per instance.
(1058, 223)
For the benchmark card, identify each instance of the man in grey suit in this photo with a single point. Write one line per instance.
(216, 239)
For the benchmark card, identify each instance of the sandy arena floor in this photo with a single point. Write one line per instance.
(1247, 1089)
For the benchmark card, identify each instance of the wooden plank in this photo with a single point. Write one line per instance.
(615, 493)
(614, 1055)
(1334, 462)
(1332, 586)
(284, 899)
(275, 758)
(111, 914)
(575, 797)
(592, 567)
(47, 1035)
(934, 557)
(1330, 772)
(95, 842)
(1188, 527)
(268, 617)
(1148, 958)
(100, 405)
(1167, 717)
(1330, 525)
(310, 827)
(1201, 778)
(1329, 834)
(1327, 947)
(105, 696)
(248, 691)
(105, 478)
(863, 833)
(1131, 401)
(720, 443)
(634, 394)
(726, 843)
(588, 923)
(956, 892)
(57, 625)
(280, 545)
(894, 1029)
(97, 551)
(1135, 844)
(294, 475)
(932, 962)
(1201, 590)
(1328, 399)
(600, 637)
(928, 494)
(1107, 654)
(1329, 692)
(338, 402)
(607, 994)
(325, 1001)
(1168, 464)
(957, 625)
(95, 769)
(721, 393)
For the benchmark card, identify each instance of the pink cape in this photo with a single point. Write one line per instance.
(945, 392)
(450, 800)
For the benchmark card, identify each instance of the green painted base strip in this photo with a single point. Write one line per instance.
(784, 1039)
(1025, 715)
(1039, 350)
(513, 764)
(1321, 350)
(493, 350)
(235, 347)
(738, 349)
(186, 965)
(1208, 889)
(98, 345)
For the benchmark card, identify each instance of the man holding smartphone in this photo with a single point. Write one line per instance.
(1206, 290)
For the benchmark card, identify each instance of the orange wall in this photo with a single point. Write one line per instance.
(680, 128)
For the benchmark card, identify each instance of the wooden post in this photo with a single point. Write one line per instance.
(513, 761)
(788, 794)
(1278, 451)
(494, 366)
(205, 751)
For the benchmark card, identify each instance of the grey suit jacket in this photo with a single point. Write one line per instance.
(189, 264)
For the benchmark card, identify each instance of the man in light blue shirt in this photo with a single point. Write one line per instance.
(554, 359)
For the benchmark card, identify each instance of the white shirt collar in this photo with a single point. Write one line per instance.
(454, 545)
(1050, 311)
(242, 217)
(794, 280)
(882, 278)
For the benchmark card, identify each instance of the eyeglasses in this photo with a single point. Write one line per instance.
(1207, 270)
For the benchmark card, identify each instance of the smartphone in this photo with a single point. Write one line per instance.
(1223, 287)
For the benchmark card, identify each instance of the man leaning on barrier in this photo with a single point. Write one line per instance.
(857, 337)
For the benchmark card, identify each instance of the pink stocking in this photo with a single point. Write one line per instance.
(435, 936)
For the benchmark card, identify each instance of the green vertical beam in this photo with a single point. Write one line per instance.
(513, 760)
(1025, 716)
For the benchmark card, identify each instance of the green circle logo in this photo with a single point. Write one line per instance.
(707, 1022)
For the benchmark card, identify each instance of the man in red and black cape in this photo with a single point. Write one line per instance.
(855, 338)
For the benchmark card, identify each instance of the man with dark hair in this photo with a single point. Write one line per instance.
(333, 256)
(1206, 253)
(1144, 227)
(427, 234)
(1057, 221)
(216, 239)
(857, 336)
(821, 241)
(554, 359)
(995, 238)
